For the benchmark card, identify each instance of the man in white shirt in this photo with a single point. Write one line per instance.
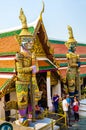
(65, 106)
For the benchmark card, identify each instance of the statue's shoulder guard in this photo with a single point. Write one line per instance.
(19, 55)
(68, 55)
(78, 56)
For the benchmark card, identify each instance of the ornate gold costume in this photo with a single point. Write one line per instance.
(23, 79)
(26, 69)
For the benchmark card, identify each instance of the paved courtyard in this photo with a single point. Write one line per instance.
(80, 125)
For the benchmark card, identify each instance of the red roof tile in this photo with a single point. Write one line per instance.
(7, 63)
(81, 50)
(82, 71)
(9, 44)
(2, 81)
(62, 49)
(42, 63)
(59, 48)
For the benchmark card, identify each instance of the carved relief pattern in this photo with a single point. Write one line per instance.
(38, 48)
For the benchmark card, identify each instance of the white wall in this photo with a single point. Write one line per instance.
(57, 89)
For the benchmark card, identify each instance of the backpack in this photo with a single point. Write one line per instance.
(75, 108)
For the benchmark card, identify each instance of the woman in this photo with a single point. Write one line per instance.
(76, 109)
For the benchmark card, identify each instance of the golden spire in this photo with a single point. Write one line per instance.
(23, 19)
(71, 38)
(42, 10)
(70, 31)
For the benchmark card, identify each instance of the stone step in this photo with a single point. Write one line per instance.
(82, 108)
(82, 113)
(83, 101)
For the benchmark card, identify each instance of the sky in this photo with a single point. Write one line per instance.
(58, 14)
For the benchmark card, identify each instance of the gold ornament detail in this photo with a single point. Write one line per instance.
(38, 48)
(71, 39)
(23, 19)
(42, 10)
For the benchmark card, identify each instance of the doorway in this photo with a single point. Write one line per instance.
(7, 113)
(41, 80)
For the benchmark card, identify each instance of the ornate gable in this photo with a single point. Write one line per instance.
(38, 49)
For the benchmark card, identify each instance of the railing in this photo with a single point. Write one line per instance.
(59, 118)
(63, 116)
(47, 114)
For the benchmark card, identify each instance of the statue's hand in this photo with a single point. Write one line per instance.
(34, 69)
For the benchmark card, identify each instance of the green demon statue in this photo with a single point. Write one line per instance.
(72, 75)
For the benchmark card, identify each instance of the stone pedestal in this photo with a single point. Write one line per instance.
(2, 110)
(44, 124)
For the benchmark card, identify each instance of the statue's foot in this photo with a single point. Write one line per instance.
(24, 121)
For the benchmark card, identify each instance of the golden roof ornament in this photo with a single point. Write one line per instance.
(22, 17)
(24, 31)
(71, 39)
(42, 11)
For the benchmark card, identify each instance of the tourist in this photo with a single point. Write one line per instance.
(76, 109)
(76, 99)
(29, 111)
(55, 101)
(68, 99)
(65, 106)
(38, 111)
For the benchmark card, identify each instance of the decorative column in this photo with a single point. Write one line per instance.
(2, 111)
(49, 101)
